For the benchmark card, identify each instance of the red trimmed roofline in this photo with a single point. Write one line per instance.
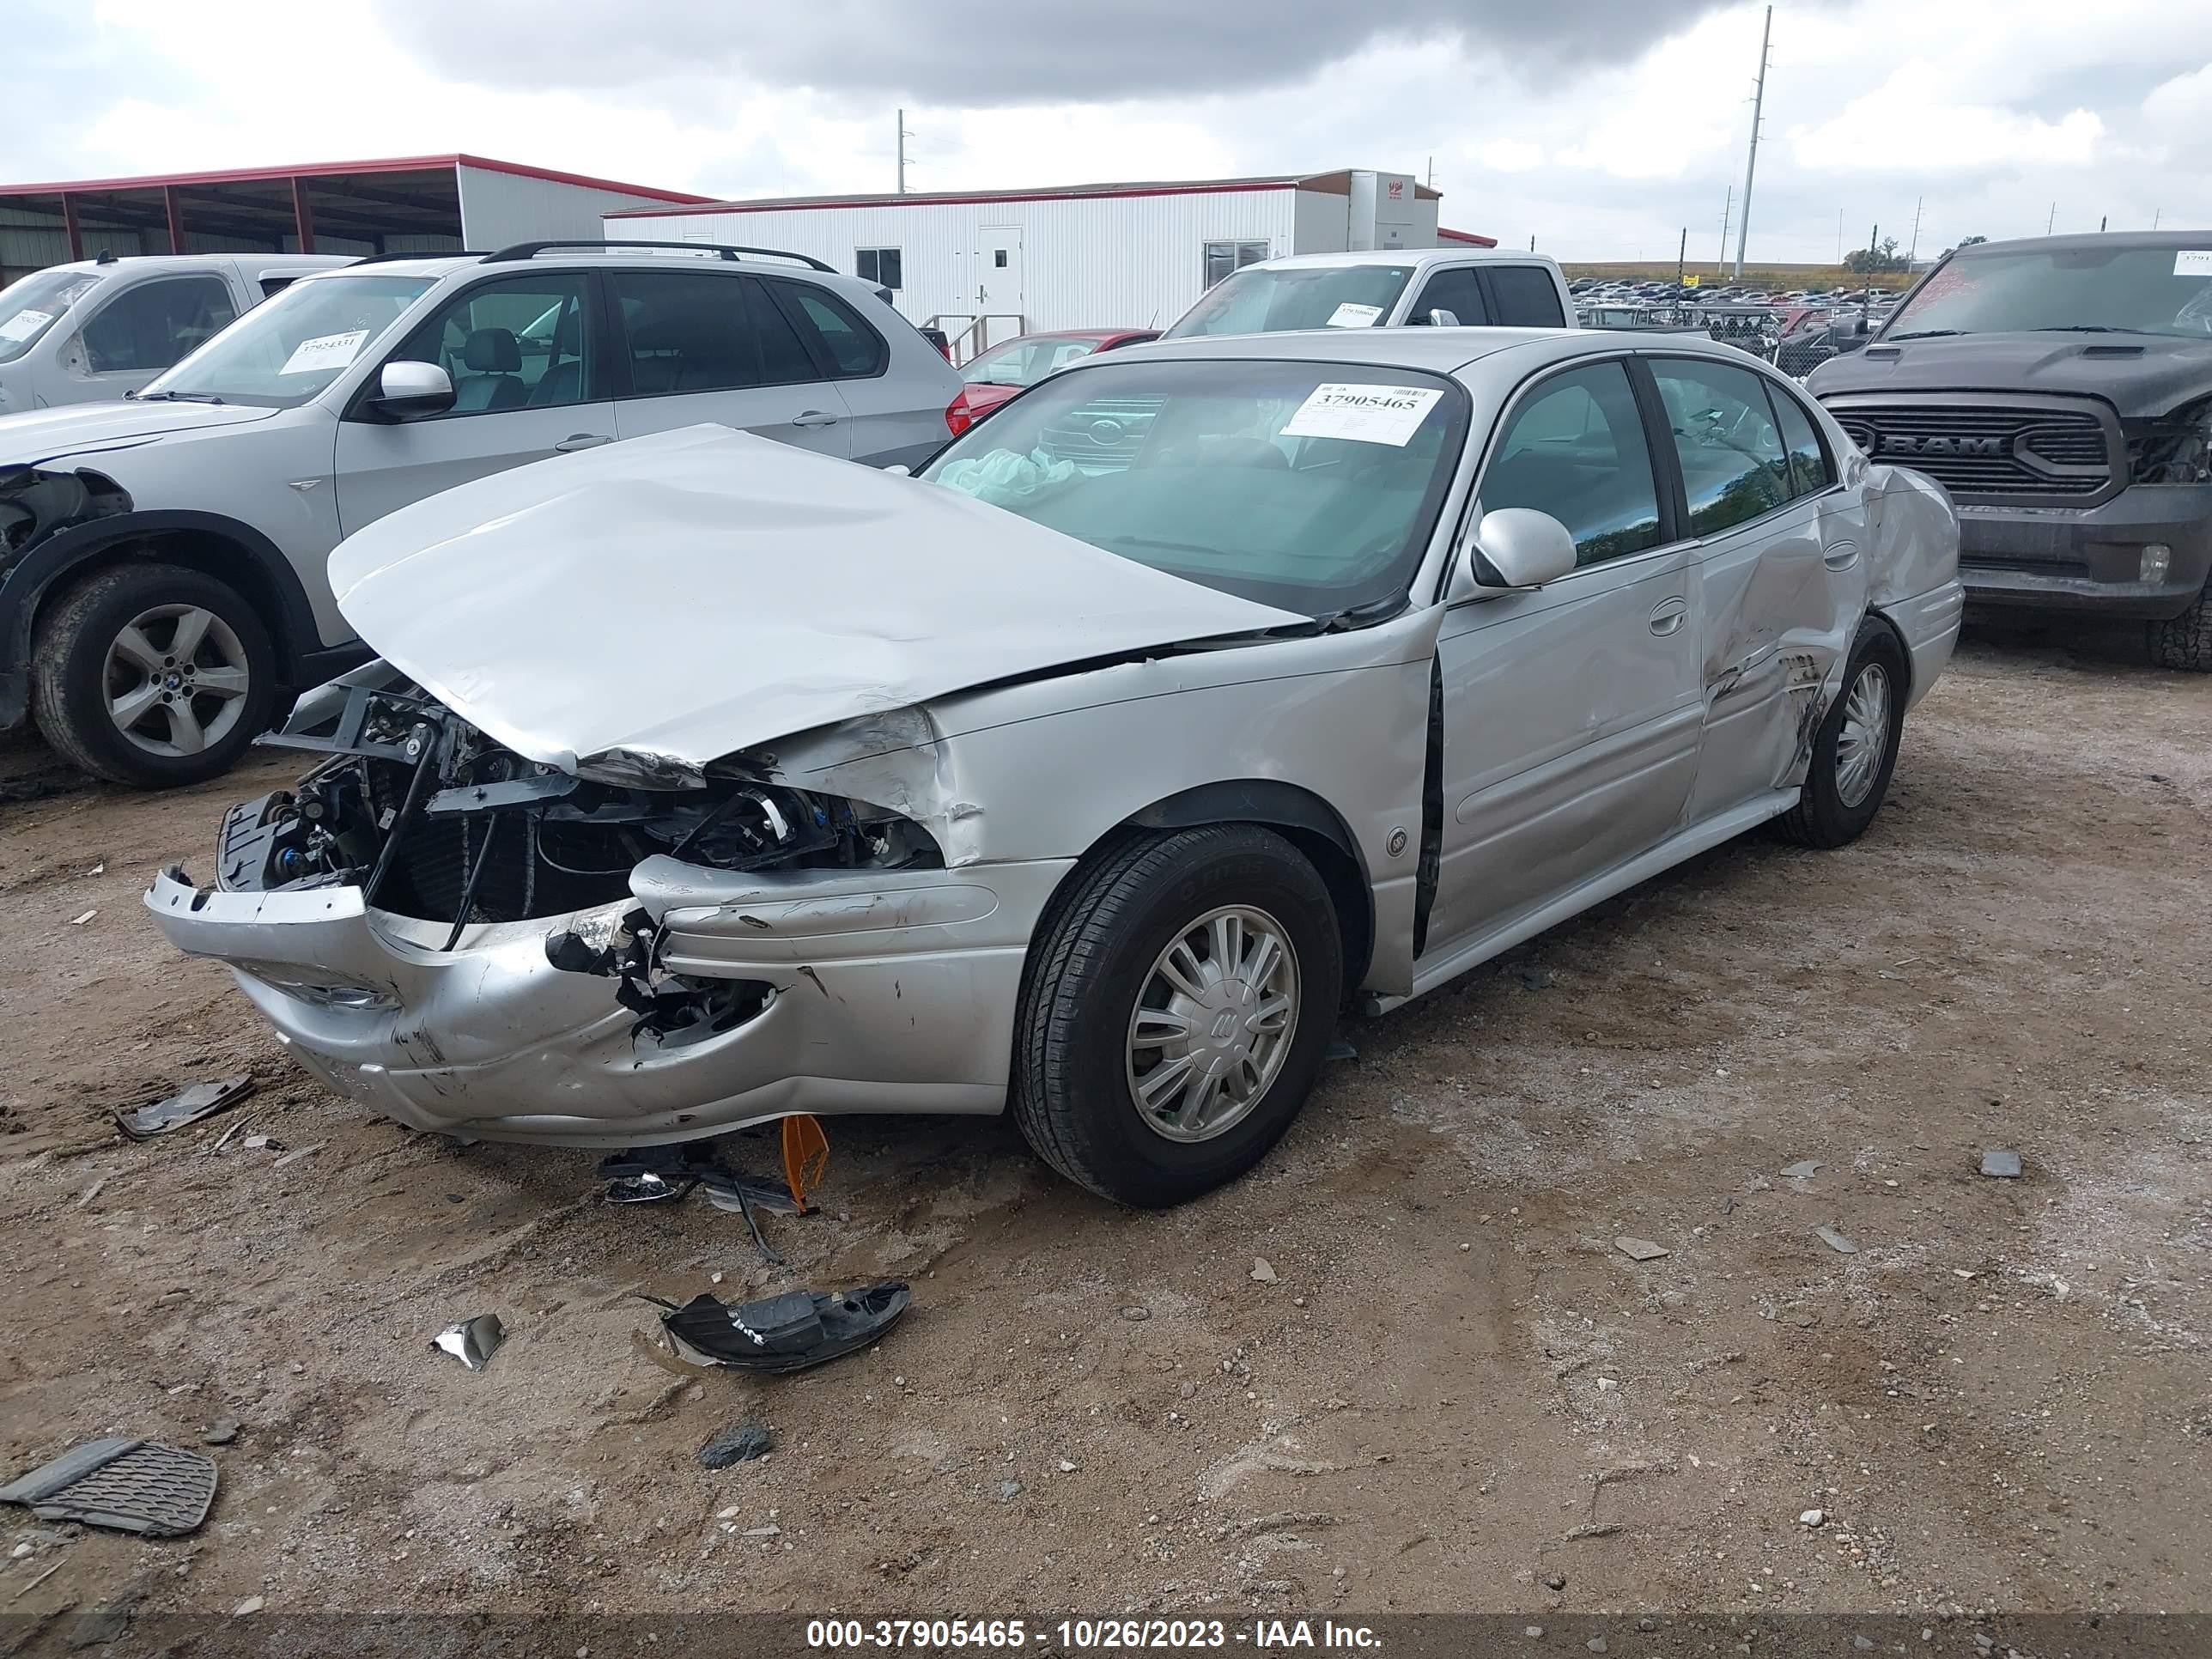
(984, 199)
(1466, 236)
(335, 169)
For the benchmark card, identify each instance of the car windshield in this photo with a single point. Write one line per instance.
(1269, 298)
(281, 353)
(33, 305)
(2128, 291)
(1310, 487)
(1025, 362)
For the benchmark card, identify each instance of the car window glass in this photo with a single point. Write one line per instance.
(1576, 449)
(1733, 466)
(784, 357)
(1312, 487)
(152, 325)
(692, 330)
(1527, 297)
(1809, 466)
(1459, 292)
(1025, 362)
(852, 349)
(509, 345)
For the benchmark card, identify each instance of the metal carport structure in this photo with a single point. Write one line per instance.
(412, 204)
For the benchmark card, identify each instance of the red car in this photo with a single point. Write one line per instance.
(1023, 361)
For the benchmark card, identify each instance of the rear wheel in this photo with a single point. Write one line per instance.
(2184, 641)
(1854, 750)
(1174, 1011)
(152, 675)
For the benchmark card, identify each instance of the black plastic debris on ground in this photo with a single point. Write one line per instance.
(201, 1100)
(129, 1486)
(792, 1332)
(740, 1443)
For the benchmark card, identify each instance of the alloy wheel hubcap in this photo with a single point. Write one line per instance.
(1213, 1024)
(1864, 739)
(176, 680)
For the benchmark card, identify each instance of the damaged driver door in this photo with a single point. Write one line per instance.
(1782, 581)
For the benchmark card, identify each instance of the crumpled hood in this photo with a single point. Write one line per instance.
(38, 435)
(2138, 374)
(685, 595)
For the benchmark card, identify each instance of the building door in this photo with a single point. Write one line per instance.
(998, 278)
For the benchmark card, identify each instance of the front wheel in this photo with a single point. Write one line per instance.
(152, 675)
(1175, 1007)
(2184, 641)
(1854, 750)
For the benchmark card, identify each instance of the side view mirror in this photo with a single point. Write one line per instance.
(1516, 546)
(1440, 318)
(410, 391)
(899, 470)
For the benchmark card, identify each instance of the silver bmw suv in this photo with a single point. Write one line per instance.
(162, 590)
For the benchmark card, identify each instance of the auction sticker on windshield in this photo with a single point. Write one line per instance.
(1366, 414)
(324, 353)
(24, 324)
(1351, 315)
(2193, 262)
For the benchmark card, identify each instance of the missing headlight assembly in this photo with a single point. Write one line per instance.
(436, 821)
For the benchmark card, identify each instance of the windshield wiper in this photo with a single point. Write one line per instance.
(174, 396)
(2087, 328)
(1921, 334)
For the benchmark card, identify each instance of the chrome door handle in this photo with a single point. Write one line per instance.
(1667, 616)
(576, 440)
(813, 417)
(1842, 557)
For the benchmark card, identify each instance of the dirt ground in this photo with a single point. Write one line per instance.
(1454, 1392)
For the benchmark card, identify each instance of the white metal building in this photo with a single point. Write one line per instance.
(1085, 256)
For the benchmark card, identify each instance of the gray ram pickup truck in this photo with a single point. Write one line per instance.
(2060, 389)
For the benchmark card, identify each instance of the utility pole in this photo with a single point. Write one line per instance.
(2052, 223)
(1432, 173)
(1866, 294)
(1728, 217)
(2155, 217)
(1915, 247)
(903, 134)
(1839, 235)
(2103, 220)
(1751, 162)
(1682, 253)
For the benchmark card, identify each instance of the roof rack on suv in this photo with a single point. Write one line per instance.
(531, 250)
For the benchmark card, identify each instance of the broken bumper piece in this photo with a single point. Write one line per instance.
(819, 991)
(794, 1332)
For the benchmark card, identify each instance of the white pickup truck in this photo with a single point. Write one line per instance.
(100, 328)
(1384, 288)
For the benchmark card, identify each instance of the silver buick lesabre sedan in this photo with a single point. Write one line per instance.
(1202, 695)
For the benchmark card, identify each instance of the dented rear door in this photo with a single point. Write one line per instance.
(1780, 574)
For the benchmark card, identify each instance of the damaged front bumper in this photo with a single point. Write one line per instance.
(878, 991)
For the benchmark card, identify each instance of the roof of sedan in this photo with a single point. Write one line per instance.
(1444, 350)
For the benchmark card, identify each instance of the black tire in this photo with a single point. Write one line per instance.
(2184, 641)
(70, 674)
(1822, 816)
(1093, 957)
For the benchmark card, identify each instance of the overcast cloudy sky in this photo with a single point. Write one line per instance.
(1600, 127)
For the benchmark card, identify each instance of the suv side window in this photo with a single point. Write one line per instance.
(153, 324)
(1734, 469)
(1527, 297)
(1458, 291)
(520, 343)
(705, 330)
(1809, 473)
(1576, 449)
(852, 349)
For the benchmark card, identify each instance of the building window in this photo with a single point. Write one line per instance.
(1222, 257)
(879, 265)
